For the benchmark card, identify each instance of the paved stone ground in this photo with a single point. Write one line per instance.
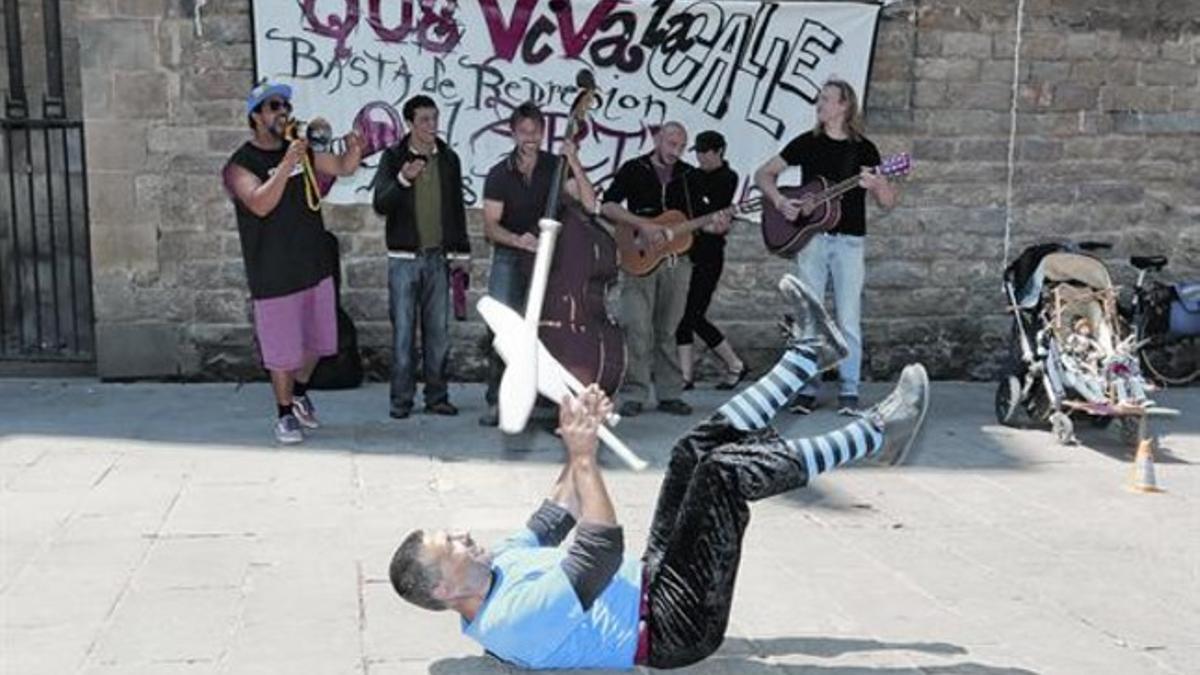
(155, 528)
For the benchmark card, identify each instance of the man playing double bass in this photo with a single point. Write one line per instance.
(515, 194)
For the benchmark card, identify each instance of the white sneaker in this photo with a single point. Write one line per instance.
(901, 415)
(305, 412)
(287, 430)
(811, 326)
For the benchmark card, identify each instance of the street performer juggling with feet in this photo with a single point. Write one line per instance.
(273, 186)
(591, 606)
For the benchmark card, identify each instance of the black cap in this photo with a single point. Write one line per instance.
(709, 140)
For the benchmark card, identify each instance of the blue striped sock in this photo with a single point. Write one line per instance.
(755, 406)
(840, 446)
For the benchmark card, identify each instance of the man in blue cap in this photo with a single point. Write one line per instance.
(283, 246)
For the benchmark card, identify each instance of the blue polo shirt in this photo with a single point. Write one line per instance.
(532, 617)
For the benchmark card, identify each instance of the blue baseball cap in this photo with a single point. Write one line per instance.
(264, 90)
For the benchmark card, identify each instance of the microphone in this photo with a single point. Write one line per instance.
(584, 79)
(319, 134)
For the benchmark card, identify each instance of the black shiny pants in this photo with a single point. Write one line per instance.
(695, 541)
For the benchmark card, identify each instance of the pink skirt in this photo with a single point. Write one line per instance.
(296, 328)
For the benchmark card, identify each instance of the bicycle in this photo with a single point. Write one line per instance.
(1165, 319)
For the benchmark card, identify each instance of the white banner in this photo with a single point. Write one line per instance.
(747, 69)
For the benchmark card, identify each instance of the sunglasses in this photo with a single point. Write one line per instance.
(275, 105)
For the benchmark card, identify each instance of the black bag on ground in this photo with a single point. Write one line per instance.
(343, 370)
(1158, 300)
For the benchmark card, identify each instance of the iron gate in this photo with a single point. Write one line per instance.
(45, 253)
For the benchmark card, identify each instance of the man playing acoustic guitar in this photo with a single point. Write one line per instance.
(835, 149)
(652, 305)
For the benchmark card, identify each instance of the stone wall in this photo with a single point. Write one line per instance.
(1106, 145)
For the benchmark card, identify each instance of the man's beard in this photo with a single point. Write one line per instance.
(278, 128)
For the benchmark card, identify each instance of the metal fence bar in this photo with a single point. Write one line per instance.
(70, 239)
(89, 324)
(33, 238)
(16, 237)
(50, 225)
(53, 105)
(15, 105)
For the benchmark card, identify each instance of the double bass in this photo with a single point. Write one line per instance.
(575, 325)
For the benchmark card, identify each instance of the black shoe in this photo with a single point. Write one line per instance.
(675, 406)
(630, 409)
(441, 408)
(688, 385)
(400, 412)
(804, 404)
(491, 418)
(737, 378)
(848, 406)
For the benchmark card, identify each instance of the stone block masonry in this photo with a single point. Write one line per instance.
(1107, 146)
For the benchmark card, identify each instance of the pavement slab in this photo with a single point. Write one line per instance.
(158, 529)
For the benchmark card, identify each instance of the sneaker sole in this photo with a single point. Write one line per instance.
(790, 285)
(312, 424)
(290, 441)
(904, 454)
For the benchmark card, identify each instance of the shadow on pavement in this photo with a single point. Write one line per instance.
(960, 431)
(830, 647)
(739, 655)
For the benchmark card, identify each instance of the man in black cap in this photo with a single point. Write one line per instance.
(710, 188)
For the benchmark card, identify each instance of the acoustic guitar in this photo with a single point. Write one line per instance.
(785, 237)
(640, 256)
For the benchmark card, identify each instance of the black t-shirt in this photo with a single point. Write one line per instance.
(710, 191)
(286, 251)
(524, 201)
(822, 156)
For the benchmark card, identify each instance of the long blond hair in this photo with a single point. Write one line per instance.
(853, 121)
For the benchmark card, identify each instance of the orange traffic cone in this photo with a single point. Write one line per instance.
(1143, 469)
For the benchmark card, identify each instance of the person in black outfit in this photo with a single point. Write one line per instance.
(711, 188)
(835, 149)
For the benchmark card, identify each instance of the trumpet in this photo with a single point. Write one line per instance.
(319, 135)
(317, 132)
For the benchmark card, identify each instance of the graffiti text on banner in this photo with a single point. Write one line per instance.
(750, 70)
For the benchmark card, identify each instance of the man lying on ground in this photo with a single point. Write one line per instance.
(590, 606)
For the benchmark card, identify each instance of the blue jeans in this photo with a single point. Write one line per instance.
(419, 295)
(841, 257)
(508, 282)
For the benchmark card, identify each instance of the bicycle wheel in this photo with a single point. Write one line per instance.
(1008, 400)
(1172, 361)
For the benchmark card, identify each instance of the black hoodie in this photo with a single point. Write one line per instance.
(396, 203)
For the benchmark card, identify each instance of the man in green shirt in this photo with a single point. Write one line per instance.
(418, 189)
